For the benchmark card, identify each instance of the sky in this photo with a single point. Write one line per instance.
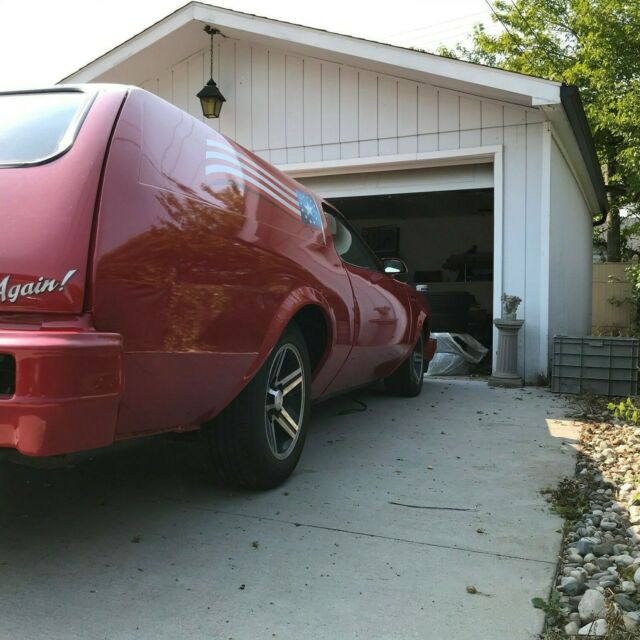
(42, 41)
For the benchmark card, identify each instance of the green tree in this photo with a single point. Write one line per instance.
(594, 44)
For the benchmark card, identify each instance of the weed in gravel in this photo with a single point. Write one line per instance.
(552, 608)
(570, 499)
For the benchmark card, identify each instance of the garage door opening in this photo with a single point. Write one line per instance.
(446, 240)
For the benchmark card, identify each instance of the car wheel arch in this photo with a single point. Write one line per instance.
(298, 307)
(315, 326)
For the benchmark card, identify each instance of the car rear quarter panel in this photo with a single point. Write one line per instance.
(200, 273)
(46, 212)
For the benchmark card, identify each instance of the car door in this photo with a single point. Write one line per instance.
(382, 313)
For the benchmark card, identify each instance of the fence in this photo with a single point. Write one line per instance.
(609, 283)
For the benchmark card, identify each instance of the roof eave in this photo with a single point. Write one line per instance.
(574, 110)
(533, 91)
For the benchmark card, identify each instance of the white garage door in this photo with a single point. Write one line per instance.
(450, 178)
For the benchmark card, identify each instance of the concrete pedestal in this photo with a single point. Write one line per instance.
(506, 371)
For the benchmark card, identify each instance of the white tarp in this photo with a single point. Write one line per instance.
(455, 354)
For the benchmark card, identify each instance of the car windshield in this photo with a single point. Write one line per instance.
(38, 126)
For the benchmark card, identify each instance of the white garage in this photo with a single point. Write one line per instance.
(483, 181)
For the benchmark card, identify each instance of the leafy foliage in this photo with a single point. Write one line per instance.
(625, 410)
(593, 44)
(633, 277)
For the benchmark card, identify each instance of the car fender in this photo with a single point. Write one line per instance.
(296, 300)
(419, 315)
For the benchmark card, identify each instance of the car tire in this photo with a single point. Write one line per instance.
(257, 440)
(406, 380)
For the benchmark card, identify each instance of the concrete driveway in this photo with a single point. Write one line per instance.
(392, 513)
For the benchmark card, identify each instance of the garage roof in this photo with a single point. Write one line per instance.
(180, 34)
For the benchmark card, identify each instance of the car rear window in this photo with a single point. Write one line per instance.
(38, 126)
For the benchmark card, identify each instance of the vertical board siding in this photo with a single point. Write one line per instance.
(368, 107)
(165, 85)
(515, 247)
(408, 144)
(348, 104)
(514, 116)
(533, 261)
(492, 114)
(294, 118)
(243, 95)
(470, 113)
(277, 100)
(312, 103)
(181, 85)
(195, 82)
(304, 109)
(387, 107)
(330, 102)
(259, 99)
(470, 122)
(227, 79)
(448, 111)
(407, 108)
(448, 120)
(427, 109)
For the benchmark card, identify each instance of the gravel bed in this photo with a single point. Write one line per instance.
(598, 582)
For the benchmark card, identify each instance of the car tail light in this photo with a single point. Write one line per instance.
(7, 374)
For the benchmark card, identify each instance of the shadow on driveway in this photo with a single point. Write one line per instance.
(391, 513)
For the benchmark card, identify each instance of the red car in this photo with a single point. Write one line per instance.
(154, 275)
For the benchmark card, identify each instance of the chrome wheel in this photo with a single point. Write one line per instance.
(285, 401)
(417, 360)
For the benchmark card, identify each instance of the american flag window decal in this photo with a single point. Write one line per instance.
(309, 210)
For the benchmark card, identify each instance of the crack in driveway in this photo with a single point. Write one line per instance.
(377, 536)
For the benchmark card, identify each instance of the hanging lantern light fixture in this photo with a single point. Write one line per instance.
(210, 96)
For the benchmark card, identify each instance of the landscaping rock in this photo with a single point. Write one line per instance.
(591, 606)
(607, 583)
(604, 549)
(630, 624)
(600, 563)
(584, 545)
(625, 602)
(572, 629)
(596, 629)
(569, 585)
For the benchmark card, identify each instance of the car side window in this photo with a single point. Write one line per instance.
(349, 246)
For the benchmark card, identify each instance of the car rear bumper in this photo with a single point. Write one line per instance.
(430, 347)
(66, 391)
